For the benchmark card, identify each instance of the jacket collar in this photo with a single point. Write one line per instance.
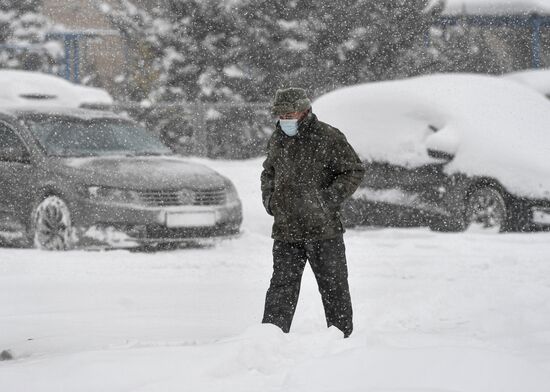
(307, 124)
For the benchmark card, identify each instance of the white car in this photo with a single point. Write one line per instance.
(455, 149)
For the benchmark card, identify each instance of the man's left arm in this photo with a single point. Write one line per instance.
(348, 172)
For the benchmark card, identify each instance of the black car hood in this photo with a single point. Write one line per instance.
(156, 172)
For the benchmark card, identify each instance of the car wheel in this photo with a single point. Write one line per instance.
(519, 218)
(486, 210)
(51, 225)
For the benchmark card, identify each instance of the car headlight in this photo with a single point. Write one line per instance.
(231, 192)
(114, 195)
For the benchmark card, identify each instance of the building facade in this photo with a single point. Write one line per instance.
(95, 50)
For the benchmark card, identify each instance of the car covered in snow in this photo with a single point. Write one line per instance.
(28, 88)
(451, 151)
(73, 177)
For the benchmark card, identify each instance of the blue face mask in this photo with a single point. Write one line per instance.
(289, 127)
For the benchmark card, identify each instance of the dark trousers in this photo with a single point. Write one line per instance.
(328, 262)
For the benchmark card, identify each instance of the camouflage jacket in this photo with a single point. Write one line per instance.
(305, 180)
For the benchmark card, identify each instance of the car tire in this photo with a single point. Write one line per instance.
(520, 217)
(487, 210)
(51, 225)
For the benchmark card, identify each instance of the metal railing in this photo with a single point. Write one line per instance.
(214, 130)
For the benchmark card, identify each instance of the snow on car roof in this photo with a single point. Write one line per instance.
(24, 88)
(492, 126)
(84, 114)
(495, 7)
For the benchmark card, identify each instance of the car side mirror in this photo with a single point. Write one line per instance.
(13, 154)
(442, 155)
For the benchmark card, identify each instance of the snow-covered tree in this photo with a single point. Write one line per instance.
(23, 31)
(139, 29)
(321, 45)
(177, 51)
(463, 49)
(466, 48)
(243, 50)
(199, 41)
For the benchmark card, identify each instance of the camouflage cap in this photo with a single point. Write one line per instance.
(290, 100)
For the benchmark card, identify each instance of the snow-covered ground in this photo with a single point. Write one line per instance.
(433, 313)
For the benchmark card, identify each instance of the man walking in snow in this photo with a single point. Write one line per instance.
(310, 170)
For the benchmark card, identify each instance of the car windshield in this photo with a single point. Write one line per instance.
(74, 137)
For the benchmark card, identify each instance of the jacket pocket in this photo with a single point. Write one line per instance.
(312, 210)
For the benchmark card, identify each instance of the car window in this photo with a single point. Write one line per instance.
(95, 137)
(9, 140)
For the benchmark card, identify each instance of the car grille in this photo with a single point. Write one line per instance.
(165, 198)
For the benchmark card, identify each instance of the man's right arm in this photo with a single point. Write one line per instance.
(267, 180)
